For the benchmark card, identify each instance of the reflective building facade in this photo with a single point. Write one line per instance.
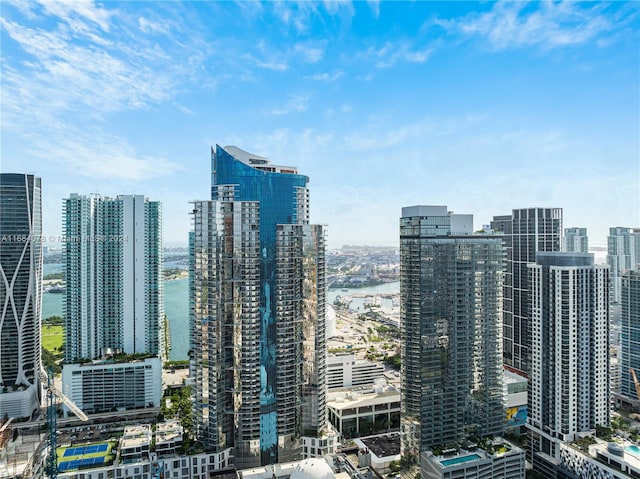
(525, 231)
(258, 289)
(575, 240)
(630, 333)
(623, 254)
(20, 293)
(114, 296)
(451, 284)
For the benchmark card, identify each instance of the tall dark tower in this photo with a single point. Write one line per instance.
(526, 231)
(20, 293)
(451, 324)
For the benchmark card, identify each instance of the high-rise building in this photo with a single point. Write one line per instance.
(623, 253)
(526, 231)
(630, 334)
(20, 294)
(451, 286)
(114, 300)
(575, 240)
(569, 374)
(259, 344)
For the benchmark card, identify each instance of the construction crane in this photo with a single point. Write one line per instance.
(635, 380)
(5, 432)
(54, 396)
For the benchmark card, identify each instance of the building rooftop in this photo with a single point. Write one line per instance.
(383, 446)
(169, 426)
(625, 451)
(512, 378)
(168, 437)
(346, 398)
(137, 430)
(134, 442)
(257, 161)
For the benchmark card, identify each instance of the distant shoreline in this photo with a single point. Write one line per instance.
(181, 275)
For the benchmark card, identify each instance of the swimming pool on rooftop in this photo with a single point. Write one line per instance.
(635, 450)
(459, 460)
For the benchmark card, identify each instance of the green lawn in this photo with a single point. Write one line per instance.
(52, 338)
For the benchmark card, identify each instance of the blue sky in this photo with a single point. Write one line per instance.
(483, 107)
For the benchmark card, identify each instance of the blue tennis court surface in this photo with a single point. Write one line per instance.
(80, 451)
(79, 463)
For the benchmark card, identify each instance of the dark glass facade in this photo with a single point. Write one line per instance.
(630, 333)
(526, 231)
(451, 327)
(20, 293)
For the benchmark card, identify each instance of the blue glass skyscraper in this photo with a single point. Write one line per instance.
(259, 311)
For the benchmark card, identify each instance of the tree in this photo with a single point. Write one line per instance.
(604, 432)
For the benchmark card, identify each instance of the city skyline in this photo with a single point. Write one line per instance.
(486, 107)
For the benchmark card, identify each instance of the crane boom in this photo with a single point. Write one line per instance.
(55, 396)
(5, 425)
(70, 404)
(64, 399)
(635, 380)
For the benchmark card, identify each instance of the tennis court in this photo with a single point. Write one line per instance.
(83, 457)
(80, 463)
(82, 450)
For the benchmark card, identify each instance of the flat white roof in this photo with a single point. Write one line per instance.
(369, 399)
(424, 210)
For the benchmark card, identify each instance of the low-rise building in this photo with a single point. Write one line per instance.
(499, 460)
(515, 399)
(601, 459)
(344, 370)
(135, 444)
(327, 443)
(364, 411)
(143, 453)
(331, 467)
(103, 386)
(378, 452)
(168, 439)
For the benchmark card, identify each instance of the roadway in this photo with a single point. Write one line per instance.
(117, 417)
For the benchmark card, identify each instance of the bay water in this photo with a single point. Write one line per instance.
(176, 306)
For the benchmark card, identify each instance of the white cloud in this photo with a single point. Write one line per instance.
(297, 103)
(73, 11)
(375, 7)
(84, 67)
(149, 26)
(375, 137)
(334, 7)
(272, 65)
(295, 14)
(311, 53)
(24, 6)
(549, 25)
(390, 53)
(75, 74)
(269, 58)
(326, 76)
(94, 153)
(298, 15)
